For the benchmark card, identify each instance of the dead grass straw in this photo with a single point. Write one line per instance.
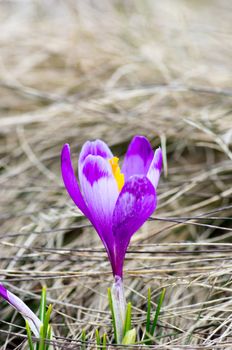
(77, 70)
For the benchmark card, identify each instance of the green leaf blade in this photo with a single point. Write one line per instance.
(130, 337)
(112, 315)
(42, 309)
(83, 339)
(148, 320)
(127, 325)
(160, 302)
(29, 337)
(98, 339)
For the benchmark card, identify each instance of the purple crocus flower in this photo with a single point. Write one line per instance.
(117, 203)
(33, 321)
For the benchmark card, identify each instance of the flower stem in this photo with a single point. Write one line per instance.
(119, 307)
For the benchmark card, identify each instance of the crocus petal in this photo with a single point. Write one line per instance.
(135, 204)
(3, 292)
(155, 168)
(70, 180)
(34, 323)
(100, 191)
(138, 157)
(96, 148)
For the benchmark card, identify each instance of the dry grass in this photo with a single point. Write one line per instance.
(77, 70)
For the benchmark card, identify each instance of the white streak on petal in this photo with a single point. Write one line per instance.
(155, 168)
(100, 191)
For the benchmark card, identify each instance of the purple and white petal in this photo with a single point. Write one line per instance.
(136, 202)
(138, 157)
(96, 148)
(3, 292)
(33, 321)
(70, 180)
(100, 191)
(155, 168)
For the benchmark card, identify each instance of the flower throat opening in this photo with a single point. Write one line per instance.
(119, 177)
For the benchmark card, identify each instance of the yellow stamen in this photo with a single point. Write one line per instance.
(119, 177)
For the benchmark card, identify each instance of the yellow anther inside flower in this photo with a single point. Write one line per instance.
(119, 177)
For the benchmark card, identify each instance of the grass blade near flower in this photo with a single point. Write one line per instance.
(127, 325)
(41, 344)
(43, 301)
(151, 330)
(112, 315)
(130, 337)
(160, 302)
(148, 321)
(104, 342)
(45, 330)
(83, 339)
(49, 336)
(47, 319)
(45, 333)
(101, 343)
(29, 337)
(98, 339)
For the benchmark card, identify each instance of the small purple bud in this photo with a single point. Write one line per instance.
(34, 323)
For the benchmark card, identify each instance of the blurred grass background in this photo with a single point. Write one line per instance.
(77, 70)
